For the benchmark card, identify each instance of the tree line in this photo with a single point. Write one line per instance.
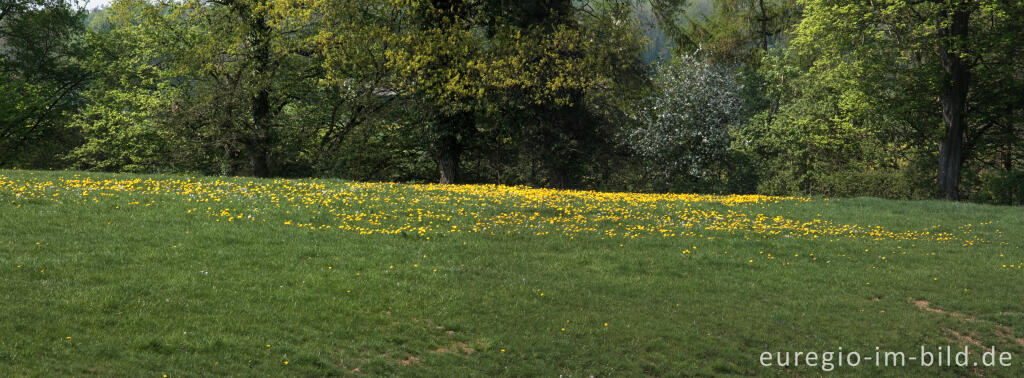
(892, 98)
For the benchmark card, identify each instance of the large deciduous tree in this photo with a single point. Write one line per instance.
(553, 66)
(40, 76)
(356, 42)
(220, 76)
(903, 68)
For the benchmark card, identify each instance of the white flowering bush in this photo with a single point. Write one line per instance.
(683, 126)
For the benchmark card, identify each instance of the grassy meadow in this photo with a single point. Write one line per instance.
(153, 275)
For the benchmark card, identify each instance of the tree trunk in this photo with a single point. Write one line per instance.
(564, 142)
(257, 143)
(262, 114)
(764, 26)
(258, 159)
(448, 164)
(954, 100)
(449, 149)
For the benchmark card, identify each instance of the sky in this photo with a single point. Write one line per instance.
(97, 3)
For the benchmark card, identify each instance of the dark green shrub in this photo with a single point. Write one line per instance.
(1002, 188)
(884, 183)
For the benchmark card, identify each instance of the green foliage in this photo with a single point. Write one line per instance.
(217, 80)
(40, 74)
(541, 76)
(120, 140)
(398, 75)
(857, 88)
(567, 88)
(119, 124)
(360, 92)
(883, 183)
(1002, 188)
(834, 93)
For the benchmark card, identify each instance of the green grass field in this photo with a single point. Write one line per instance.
(127, 275)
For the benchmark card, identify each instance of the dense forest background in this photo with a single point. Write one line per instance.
(889, 98)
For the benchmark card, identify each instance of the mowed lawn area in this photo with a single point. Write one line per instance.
(147, 275)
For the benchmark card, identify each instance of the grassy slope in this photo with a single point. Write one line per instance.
(117, 288)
